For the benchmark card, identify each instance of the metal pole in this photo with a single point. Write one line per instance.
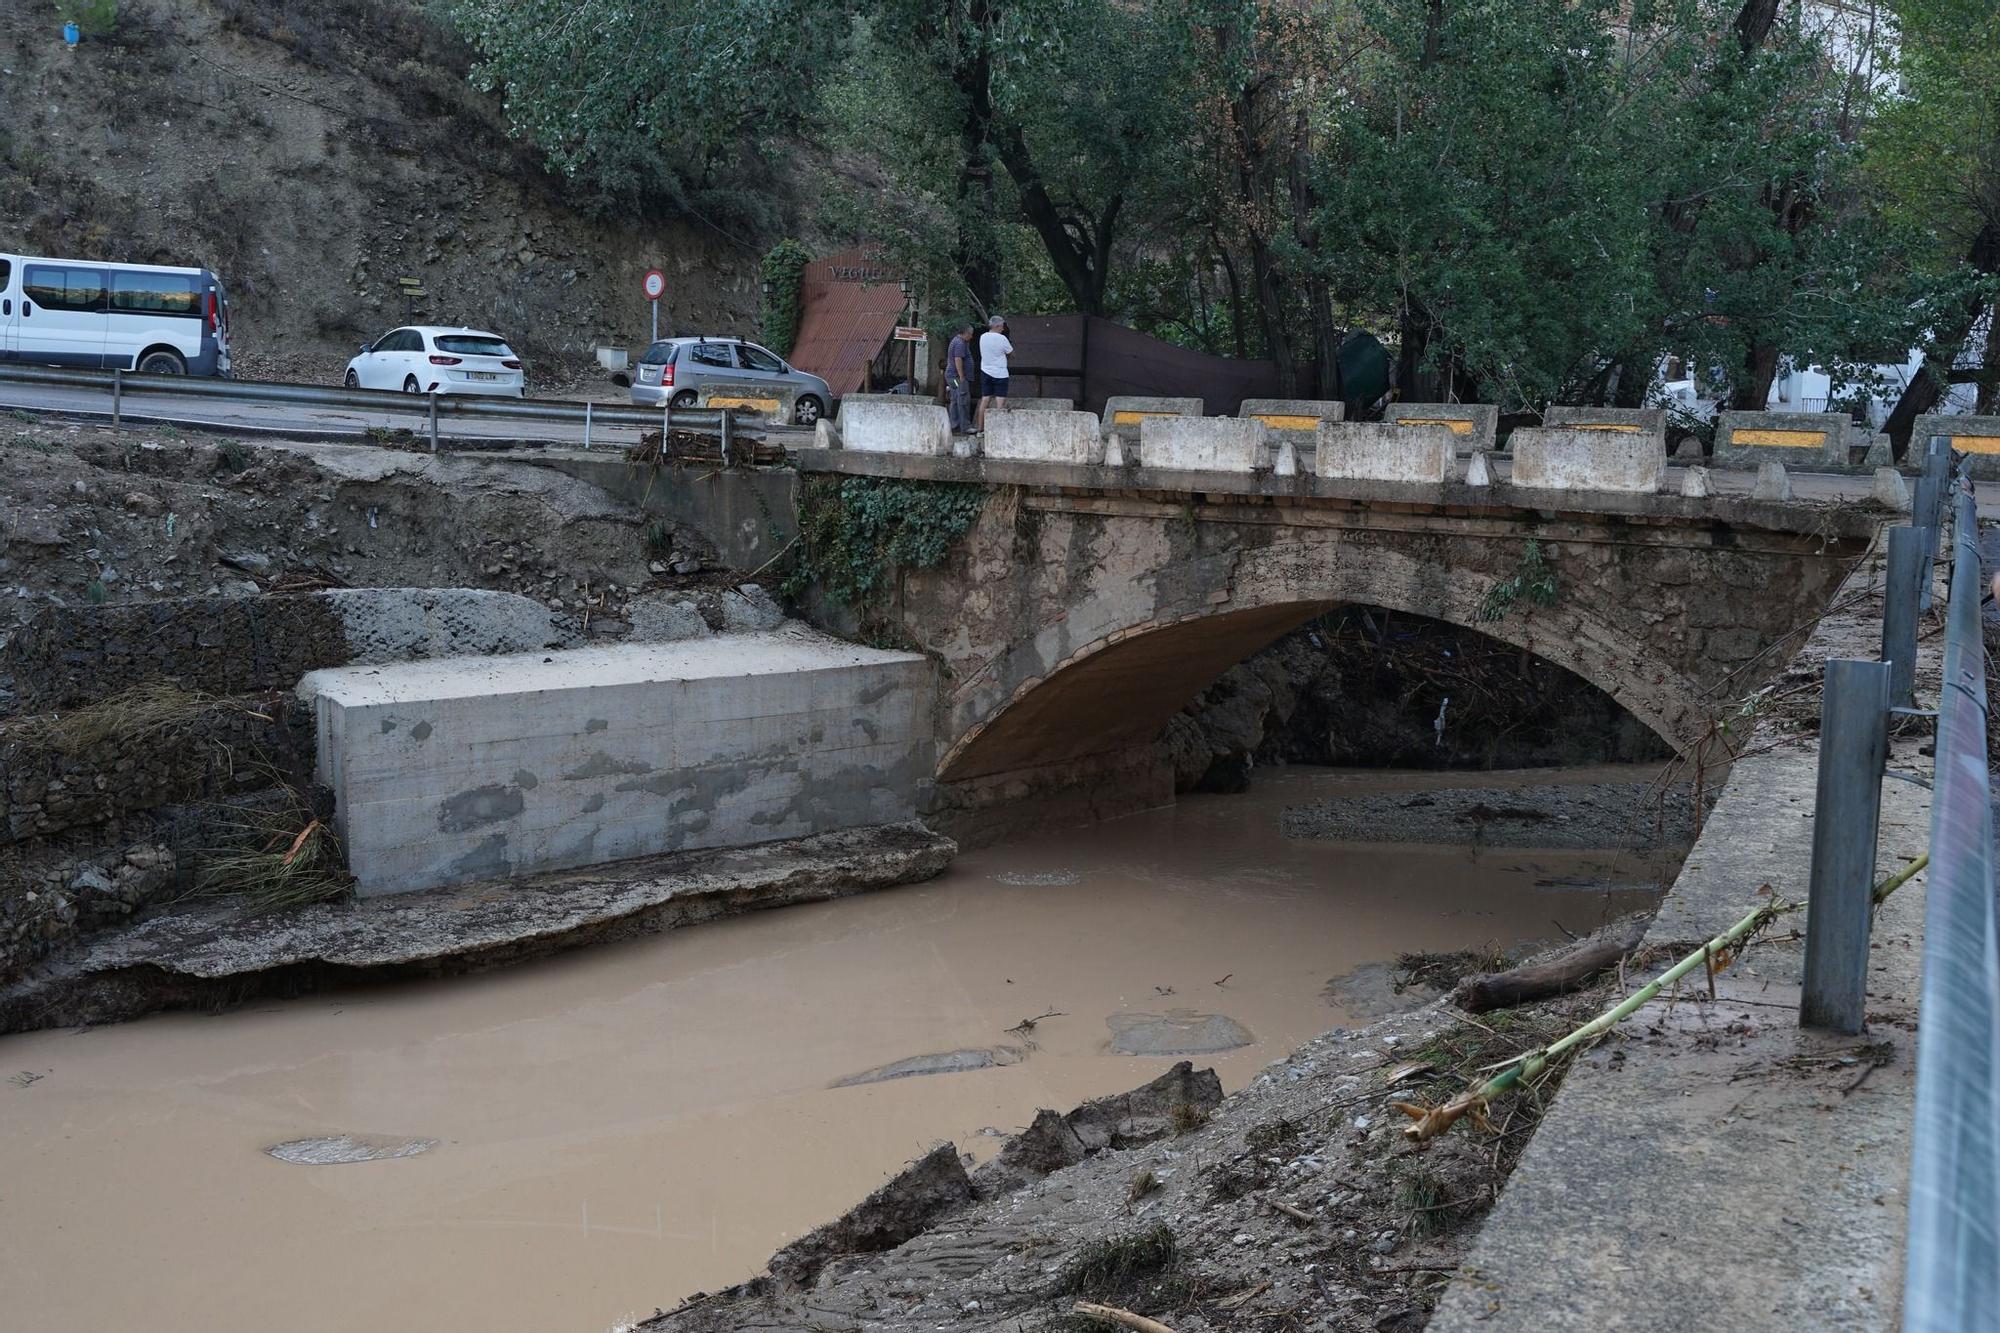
(728, 434)
(1908, 561)
(1847, 805)
(117, 396)
(434, 421)
(654, 304)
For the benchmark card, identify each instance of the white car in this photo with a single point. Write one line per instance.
(421, 358)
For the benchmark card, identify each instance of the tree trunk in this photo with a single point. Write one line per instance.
(1928, 384)
(1752, 393)
(1080, 250)
(974, 256)
(1989, 389)
(1236, 314)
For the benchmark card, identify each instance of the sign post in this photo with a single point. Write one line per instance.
(912, 336)
(655, 287)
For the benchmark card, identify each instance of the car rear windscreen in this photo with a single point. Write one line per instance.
(465, 345)
(659, 354)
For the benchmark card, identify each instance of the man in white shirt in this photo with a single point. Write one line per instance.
(994, 349)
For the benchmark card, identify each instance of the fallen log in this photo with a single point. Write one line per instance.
(1537, 981)
(1113, 1315)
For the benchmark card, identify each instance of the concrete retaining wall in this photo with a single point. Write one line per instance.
(1976, 437)
(893, 424)
(1796, 439)
(1202, 444)
(1475, 424)
(1044, 437)
(1561, 459)
(1381, 451)
(484, 768)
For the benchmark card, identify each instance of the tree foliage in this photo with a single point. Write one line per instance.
(1532, 200)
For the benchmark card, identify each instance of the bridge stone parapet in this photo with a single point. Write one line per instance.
(1570, 459)
(1204, 444)
(1381, 451)
(1805, 440)
(1477, 425)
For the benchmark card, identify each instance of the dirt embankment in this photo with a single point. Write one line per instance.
(313, 153)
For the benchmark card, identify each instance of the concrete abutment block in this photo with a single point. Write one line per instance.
(1383, 451)
(1567, 459)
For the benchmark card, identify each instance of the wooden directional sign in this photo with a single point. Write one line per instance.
(905, 334)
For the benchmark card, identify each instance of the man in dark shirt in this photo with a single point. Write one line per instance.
(958, 379)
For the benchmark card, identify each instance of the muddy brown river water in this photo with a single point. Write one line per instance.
(619, 1127)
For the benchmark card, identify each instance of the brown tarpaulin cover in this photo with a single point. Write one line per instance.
(1089, 359)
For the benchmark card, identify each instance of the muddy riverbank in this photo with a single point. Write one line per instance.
(618, 1127)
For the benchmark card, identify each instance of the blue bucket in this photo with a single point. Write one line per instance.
(72, 34)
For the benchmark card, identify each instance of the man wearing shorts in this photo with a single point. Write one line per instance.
(994, 349)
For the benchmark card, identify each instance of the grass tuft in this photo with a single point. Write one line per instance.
(138, 713)
(272, 859)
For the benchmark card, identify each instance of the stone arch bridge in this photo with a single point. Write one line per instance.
(1088, 605)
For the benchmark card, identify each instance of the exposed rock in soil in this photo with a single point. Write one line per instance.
(1178, 1032)
(1366, 688)
(930, 1187)
(1557, 815)
(944, 1062)
(338, 1149)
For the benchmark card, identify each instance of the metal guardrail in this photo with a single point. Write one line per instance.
(1951, 1276)
(585, 416)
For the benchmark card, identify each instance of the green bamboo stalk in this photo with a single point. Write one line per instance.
(1430, 1122)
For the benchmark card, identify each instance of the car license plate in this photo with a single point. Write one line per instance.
(481, 375)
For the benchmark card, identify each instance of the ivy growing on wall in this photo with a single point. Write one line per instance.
(784, 277)
(856, 532)
(1534, 582)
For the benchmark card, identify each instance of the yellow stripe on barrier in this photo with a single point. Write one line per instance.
(1277, 422)
(758, 404)
(1618, 426)
(1780, 439)
(1455, 425)
(1134, 418)
(1976, 444)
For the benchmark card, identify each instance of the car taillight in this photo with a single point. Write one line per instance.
(444, 360)
(667, 376)
(511, 364)
(211, 315)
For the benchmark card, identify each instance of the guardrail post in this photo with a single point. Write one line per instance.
(586, 425)
(1847, 807)
(1908, 561)
(117, 397)
(434, 421)
(728, 434)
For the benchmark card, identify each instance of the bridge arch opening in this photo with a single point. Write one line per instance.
(1373, 678)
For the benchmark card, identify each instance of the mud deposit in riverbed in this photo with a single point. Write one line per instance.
(625, 1125)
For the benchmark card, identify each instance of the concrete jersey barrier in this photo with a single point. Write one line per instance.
(1298, 418)
(1805, 440)
(1125, 415)
(1476, 425)
(1044, 437)
(1550, 458)
(1203, 444)
(1383, 451)
(1648, 421)
(894, 424)
(771, 399)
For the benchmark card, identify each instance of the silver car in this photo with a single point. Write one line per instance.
(672, 369)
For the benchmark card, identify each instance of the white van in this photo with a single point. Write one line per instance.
(73, 312)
